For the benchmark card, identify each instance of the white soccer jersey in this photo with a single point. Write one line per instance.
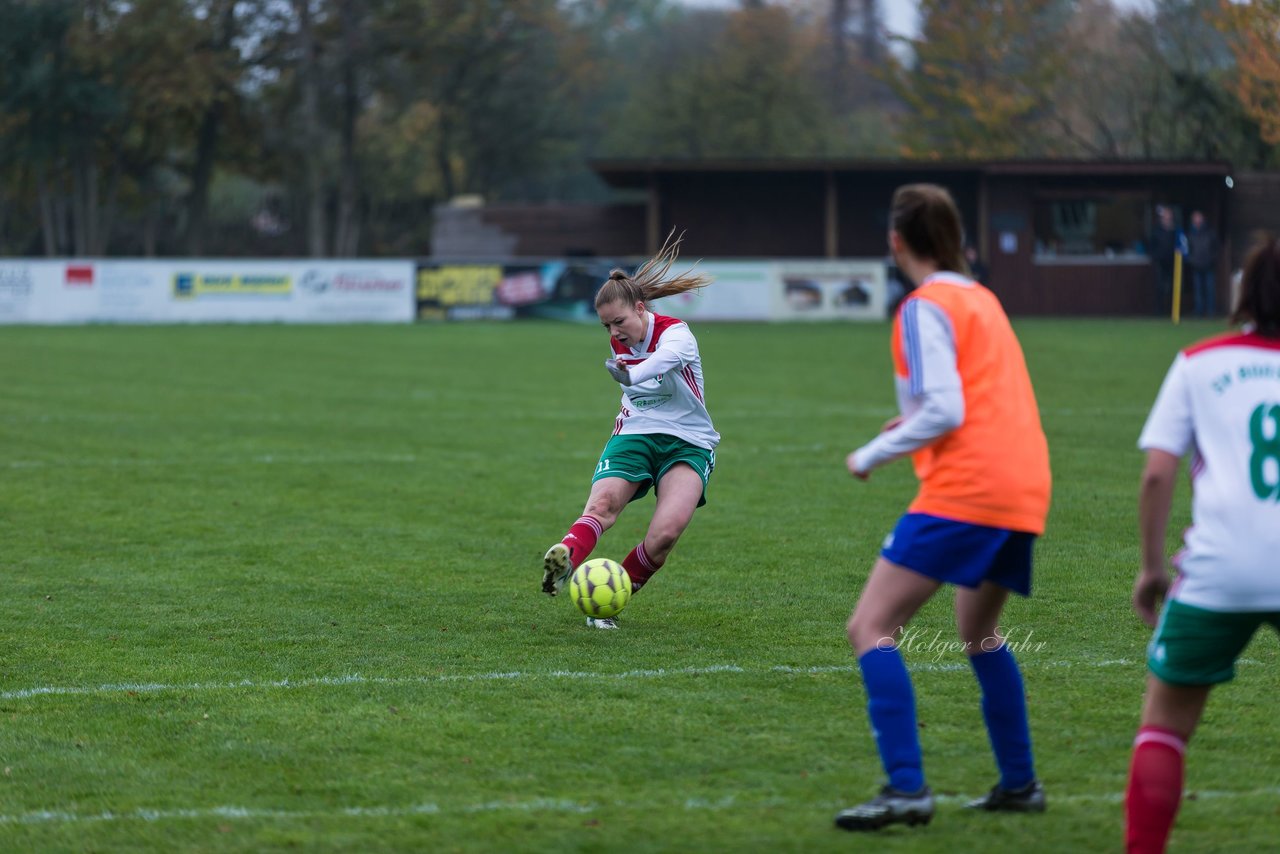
(666, 392)
(1221, 402)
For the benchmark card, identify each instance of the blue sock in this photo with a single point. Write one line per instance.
(1004, 708)
(891, 705)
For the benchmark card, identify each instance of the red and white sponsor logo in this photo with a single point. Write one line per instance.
(365, 283)
(79, 276)
(520, 289)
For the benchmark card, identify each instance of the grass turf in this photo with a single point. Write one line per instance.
(269, 588)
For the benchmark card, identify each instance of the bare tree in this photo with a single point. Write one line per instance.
(308, 77)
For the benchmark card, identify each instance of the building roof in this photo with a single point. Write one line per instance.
(637, 171)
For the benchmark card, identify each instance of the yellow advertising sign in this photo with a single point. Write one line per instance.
(235, 284)
(458, 285)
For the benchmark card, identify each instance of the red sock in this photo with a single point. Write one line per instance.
(582, 537)
(640, 567)
(1155, 789)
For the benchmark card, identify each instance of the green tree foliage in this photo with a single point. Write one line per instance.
(1148, 86)
(227, 126)
(57, 101)
(1074, 78)
(716, 85)
(980, 83)
(1201, 118)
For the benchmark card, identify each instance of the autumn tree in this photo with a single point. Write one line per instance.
(734, 84)
(981, 81)
(1253, 30)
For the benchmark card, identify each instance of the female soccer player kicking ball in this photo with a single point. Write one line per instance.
(969, 419)
(1220, 402)
(662, 437)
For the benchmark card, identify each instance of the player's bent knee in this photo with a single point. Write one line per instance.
(662, 540)
(864, 635)
(605, 510)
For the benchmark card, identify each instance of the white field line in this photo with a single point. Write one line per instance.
(251, 459)
(510, 675)
(539, 805)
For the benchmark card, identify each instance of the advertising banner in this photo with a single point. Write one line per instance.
(206, 291)
(829, 290)
(398, 291)
(562, 289)
(292, 291)
(741, 290)
(785, 291)
(18, 288)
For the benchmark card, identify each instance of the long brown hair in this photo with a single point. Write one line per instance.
(1259, 301)
(651, 281)
(927, 218)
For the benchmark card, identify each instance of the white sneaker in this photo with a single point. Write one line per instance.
(602, 622)
(556, 566)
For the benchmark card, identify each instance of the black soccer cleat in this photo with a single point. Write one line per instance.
(888, 807)
(556, 566)
(1030, 798)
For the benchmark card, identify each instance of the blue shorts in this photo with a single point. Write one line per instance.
(960, 553)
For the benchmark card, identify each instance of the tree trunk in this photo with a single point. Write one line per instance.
(81, 178)
(89, 207)
(346, 238)
(201, 176)
(149, 233)
(870, 32)
(207, 138)
(311, 130)
(149, 221)
(61, 218)
(103, 224)
(840, 54)
(47, 228)
(443, 161)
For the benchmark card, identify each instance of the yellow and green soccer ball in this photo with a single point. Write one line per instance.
(600, 588)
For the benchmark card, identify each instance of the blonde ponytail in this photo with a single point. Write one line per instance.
(650, 281)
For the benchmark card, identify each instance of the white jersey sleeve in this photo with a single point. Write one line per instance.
(666, 393)
(676, 349)
(1169, 426)
(931, 397)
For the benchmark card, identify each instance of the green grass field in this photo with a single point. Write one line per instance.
(276, 588)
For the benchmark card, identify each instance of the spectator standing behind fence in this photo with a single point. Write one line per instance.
(1166, 240)
(1202, 259)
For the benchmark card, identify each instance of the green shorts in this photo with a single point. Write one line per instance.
(1196, 646)
(644, 459)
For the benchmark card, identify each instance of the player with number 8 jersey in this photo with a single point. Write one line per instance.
(1219, 406)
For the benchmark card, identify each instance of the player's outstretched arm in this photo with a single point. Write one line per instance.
(1155, 500)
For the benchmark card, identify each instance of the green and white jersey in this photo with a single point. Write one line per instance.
(1220, 402)
(666, 391)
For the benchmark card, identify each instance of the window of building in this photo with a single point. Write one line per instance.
(1109, 226)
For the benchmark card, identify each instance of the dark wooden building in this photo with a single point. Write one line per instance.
(1056, 237)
